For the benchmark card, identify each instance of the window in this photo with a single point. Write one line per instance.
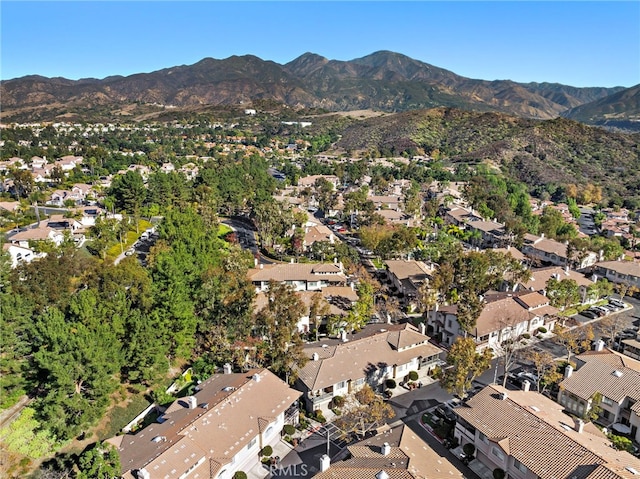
(359, 382)
(519, 466)
(341, 385)
(483, 438)
(498, 453)
(252, 443)
(607, 401)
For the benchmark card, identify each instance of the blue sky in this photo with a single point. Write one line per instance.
(576, 43)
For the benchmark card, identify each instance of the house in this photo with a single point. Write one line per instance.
(10, 206)
(338, 367)
(619, 272)
(310, 181)
(339, 298)
(616, 377)
(552, 252)
(491, 233)
(407, 276)
(69, 162)
(167, 167)
(398, 452)
(35, 234)
(301, 276)
(460, 216)
(541, 276)
(504, 316)
(529, 436)
(217, 431)
(631, 347)
(20, 254)
(387, 202)
(396, 217)
(313, 234)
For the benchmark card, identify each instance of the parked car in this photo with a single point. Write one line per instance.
(598, 311)
(617, 302)
(589, 314)
(445, 412)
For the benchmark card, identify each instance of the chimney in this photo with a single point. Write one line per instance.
(382, 475)
(599, 346)
(343, 336)
(526, 385)
(386, 449)
(503, 396)
(423, 329)
(325, 463)
(255, 262)
(542, 235)
(143, 474)
(315, 356)
(226, 369)
(568, 371)
(566, 270)
(388, 318)
(192, 401)
(292, 261)
(579, 425)
(261, 266)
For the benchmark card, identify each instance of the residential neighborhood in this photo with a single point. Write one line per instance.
(318, 315)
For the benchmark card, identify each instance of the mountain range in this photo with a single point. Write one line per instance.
(384, 81)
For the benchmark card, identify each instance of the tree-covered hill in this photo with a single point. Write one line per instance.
(545, 154)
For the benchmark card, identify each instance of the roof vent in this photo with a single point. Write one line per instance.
(382, 475)
(159, 439)
(617, 373)
(386, 449)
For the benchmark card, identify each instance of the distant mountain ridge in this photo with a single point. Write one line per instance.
(383, 80)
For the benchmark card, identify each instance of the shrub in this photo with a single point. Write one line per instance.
(413, 375)
(541, 330)
(320, 417)
(469, 449)
(240, 475)
(526, 336)
(338, 401)
(266, 451)
(289, 429)
(498, 473)
(390, 383)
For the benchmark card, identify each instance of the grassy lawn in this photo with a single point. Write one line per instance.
(120, 416)
(377, 262)
(116, 250)
(223, 230)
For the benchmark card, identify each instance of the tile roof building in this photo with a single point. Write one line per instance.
(620, 271)
(504, 316)
(212, 434)
(301, 276)
(339, 367)
(529, 436)
(616, 377)
(399, 452)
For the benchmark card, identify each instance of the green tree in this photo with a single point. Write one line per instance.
(100, 462)
(363, 411)
(277, 324)
(563, 293)
(128, 192)
(464, 364)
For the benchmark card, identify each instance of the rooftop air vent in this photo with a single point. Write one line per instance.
(617, 373)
